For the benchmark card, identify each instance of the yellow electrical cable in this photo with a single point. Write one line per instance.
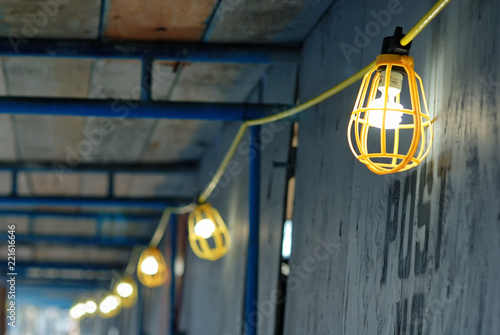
(225, 162)
(435, 10)
(306, 105)
(129, 270)
(431, 14)
(165, 218)
(162, 226)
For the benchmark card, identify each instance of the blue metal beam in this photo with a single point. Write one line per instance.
(65, 167)
(252, 276)
(114, 217)
(62, 284)
(136, 109)
(47, 274)
(69, 266)
(143, 203)
(35, 300)
(186, 52)
(115, 241)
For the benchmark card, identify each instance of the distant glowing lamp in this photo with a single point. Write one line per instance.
(205, 228)
(110, 306)
(150, 266)
(126, 289)
(208, 234)
(152, 269)
(90, 307)
(383, 134)
(77, 311)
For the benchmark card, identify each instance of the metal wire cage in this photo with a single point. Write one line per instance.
(208, 234)
(152, 269)
(126, 289)
(382, 133)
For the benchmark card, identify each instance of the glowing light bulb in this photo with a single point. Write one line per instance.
(109, 304)
(211, 226)
(125, 290)
(90, 307)
(77, 311)
(392, 117)
(407, 146)
(150, 266)
(152, 270)
(204, 228)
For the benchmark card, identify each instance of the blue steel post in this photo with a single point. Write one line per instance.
(173, 246)
(251, 290)
(146, 78)
(111, 184)
(14, 182)
(99, 225)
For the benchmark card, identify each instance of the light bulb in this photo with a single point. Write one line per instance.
(109, 304)
(152, 270)
(205, 222)
(125, 290)
(392, 117)
(77, 311)
(150, 266)
(392, 151)
(204, 228)
(90, 307)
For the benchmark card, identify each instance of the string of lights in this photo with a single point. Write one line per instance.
(378, 106)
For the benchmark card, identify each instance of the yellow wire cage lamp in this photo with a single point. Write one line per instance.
(383, 134)
(152, 268)
(110, 306)
(126, 289)
(208, 234)
(84, 308)
(77, 311)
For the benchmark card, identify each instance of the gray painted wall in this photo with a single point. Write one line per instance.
(416, 252)
(214, 291)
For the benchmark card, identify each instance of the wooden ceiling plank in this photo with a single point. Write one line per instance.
(49, 138)
(115, 79)
(156, 185)
(265, 21)
(217, 82)
(47, 77)
(171, 20)
(120, 141)
(179, 140)
(23, 20)
(52, 184)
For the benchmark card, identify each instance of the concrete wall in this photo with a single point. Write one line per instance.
(213, 294)
(415, 252)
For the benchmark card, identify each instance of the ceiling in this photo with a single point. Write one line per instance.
(139, 158)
